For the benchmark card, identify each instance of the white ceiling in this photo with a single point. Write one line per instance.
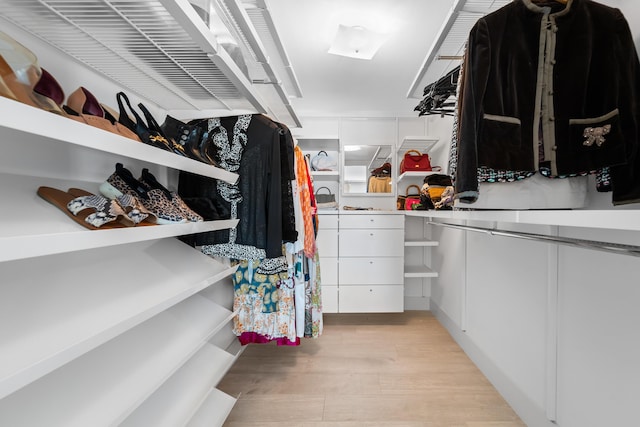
(339, 86)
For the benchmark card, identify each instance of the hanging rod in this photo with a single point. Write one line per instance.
(616, 248)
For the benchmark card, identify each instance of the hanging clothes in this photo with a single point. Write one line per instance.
(305, 189)
(248, 145)
(379, 184)
(542, 122)
(273, 201)
(264, 301)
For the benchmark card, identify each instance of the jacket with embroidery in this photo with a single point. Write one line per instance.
(551, 85)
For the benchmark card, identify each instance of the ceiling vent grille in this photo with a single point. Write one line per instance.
(158, 49)
(446, 51)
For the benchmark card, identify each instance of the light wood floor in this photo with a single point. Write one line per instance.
(366, 370)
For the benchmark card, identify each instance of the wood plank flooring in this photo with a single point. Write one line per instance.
(366, 370)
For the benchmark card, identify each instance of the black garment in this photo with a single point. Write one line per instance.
(248, 145)
(288, 173)
(550, 73)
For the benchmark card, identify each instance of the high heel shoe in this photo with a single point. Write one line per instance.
(21, 74)
(156, 128)
(191, 136)
(82, 103)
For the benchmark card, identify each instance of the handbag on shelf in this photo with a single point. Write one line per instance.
(326, 201)
(415, 161)
(407, 199)
(439, 189)
(323, 162)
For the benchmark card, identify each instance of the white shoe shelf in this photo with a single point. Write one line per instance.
(103, 327)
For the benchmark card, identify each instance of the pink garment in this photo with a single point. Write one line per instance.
(256, 338)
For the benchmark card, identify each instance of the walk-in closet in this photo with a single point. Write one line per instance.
(328, 213)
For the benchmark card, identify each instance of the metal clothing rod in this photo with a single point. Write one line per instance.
(616, 248)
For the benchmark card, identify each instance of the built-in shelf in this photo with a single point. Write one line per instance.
(33, 227)
(420, 143)
(180, 396)
(33, 127)
(325, 175)
(419, 271)
(87, 300)
(421, 243)
(214, 410)
(413, 175)
(106, 385)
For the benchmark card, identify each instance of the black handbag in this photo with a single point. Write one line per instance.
(325, 201)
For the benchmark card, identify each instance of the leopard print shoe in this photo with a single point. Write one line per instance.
(152, 184)
(122, 182)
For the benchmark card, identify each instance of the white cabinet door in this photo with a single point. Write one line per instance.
(329, 299)
(371, 271)
(371, 243)
(371, 299)
(329, 270)
(327, 243)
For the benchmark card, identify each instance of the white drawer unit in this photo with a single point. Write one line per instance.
(371, 271)
(371, 299)
(371, 242)
(370, 262)
(369, 221)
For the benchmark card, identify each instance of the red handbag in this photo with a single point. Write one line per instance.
(415, 161)
(411, 199)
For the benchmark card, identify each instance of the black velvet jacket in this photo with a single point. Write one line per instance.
(564, 75)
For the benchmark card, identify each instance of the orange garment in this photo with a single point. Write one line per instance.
(303, 177)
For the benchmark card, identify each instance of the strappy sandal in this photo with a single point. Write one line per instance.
(131, 205)
(91, 211)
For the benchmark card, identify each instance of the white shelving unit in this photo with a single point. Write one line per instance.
(418, 264)
(103, 327)
(419, 270)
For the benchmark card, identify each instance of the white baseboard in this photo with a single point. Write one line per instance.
(531, 414)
